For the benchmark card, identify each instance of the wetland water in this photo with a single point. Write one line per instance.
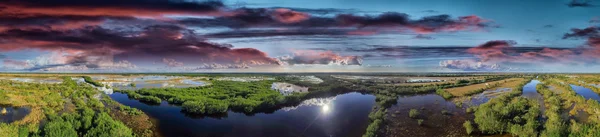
(430, 107)
(12, 113)
(586, 92)
(345, 115)
(148, 82)
(530, 92)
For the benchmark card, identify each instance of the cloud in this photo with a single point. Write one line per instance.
(56, 22)
(389, 22)
(14, 64)
(470, 65)
(146, 8)
(172, 62)
(421, 36)
(582, 33)
(580, 3)
(311, 57)
(321, 11)
(90, 45)
(289, 16)
(492, 46)
(503, 55)
(431, 11)
(269, 33)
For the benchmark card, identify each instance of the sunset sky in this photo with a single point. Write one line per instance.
(299, 36)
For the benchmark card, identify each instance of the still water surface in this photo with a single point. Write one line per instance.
(586, 92)
(345, 115)
(12, 113)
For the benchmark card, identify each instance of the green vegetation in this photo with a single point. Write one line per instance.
(556, 125)
(89, 79)
(444, 93)
(420, 122)
(509, 114)
(248, 97)
(150, 99)
(413, 113)
(376, 120)
(469, 127)
(69, 109)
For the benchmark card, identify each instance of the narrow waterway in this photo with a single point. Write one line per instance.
(530, 92)
(585, 92)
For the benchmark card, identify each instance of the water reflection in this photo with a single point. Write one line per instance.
(10, 114)
(44, 80)
(530, 92)
(148, 81)
(485, 96)
(345, 116)
(430, 107)
(312, 102)
(586, 92)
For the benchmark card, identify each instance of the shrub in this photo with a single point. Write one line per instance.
(150, 99)
(413, 113)
(89, 79)
(59, 128)
(206, 106)
(420, 122)
(8, 130)
(105, 126)
(444, 93)
(468, 126)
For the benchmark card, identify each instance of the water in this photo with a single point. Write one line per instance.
(485, 96)
(530, 92)
(342, 116)
(430, 107)
(122, 82)
(13, 113)
(586, 92)
(34, 80)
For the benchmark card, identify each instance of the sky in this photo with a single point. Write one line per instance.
(299, 36)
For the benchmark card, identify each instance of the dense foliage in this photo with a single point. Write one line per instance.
(89, 79)
(509, 114)
(445, 94)
(555, 125)
(218, 97)
(70, 109)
